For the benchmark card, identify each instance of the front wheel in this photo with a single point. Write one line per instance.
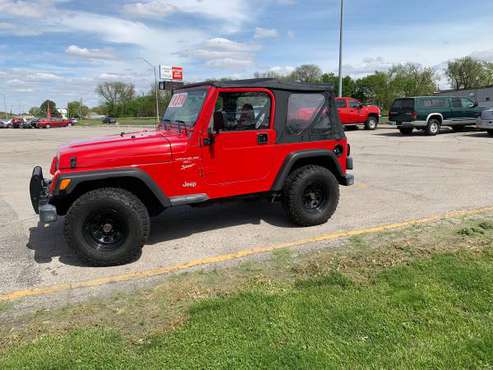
(371, 124)
(433, 127)
(107, 227)
(311, 195)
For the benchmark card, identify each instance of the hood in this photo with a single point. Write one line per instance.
(126, 149)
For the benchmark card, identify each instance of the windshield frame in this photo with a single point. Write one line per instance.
(188, 125)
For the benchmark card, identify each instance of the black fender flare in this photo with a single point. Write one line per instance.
(292, 158)
(79, 178)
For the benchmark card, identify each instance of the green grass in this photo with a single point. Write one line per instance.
(124, 121)
(421, 298)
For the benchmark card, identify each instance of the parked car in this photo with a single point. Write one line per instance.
(109, 120)
(430, 113)
(109, 187)
(53, 122)
(4, 124)
(74, 121)
(353, 113)
(16, 122)
(27, 124)
(486, 121)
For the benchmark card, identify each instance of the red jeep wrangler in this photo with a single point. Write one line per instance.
(352, 113)
(217, 140)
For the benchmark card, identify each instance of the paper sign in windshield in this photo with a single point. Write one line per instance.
(178, 100)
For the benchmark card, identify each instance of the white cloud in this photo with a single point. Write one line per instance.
(284, 70)
(224, 53)
(89, 53)
(265, 33)
(30, 9)
(43, 76)
(227, 10)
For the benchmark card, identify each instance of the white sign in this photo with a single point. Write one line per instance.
(165, 73)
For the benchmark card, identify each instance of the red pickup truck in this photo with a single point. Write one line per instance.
(352, 112)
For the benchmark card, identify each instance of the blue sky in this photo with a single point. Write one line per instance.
(61, 49)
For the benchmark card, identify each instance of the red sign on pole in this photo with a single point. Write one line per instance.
(177, 73)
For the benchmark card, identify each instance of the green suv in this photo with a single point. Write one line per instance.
(429, 113)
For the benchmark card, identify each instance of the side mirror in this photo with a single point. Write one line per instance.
(219, 121)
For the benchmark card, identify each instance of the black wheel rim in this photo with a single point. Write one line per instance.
(315, 197)
(105, 230)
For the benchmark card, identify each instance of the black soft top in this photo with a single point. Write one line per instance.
(267, 83)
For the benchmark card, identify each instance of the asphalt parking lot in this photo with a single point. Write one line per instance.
(397, 178)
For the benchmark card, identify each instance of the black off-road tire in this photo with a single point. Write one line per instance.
(296, 187)
(433, 128)
(371, 124)
(114, 206)
(490, 132)
(406, 130)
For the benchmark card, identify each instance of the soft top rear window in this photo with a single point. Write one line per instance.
(403, 105)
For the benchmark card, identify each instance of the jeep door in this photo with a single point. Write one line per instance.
(344, 111)
(356, 112)
(239, 158)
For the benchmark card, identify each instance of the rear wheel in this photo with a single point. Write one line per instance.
(311, 195)
(107, 227)
(371, 124)
(433, 127)
(406, 130)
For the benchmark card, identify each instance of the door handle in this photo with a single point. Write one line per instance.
(262, 139)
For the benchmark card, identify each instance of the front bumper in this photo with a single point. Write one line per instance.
(348, 180)
(40, 199)
(485, 124)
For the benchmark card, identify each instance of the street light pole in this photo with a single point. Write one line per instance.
(341, 40)
(156, 88)
(5, 105)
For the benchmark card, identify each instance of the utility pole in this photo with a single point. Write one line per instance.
(156, 88)
(341, 40)
(5, 105)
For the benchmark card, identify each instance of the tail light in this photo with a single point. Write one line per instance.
(414, 115)
(54, 166)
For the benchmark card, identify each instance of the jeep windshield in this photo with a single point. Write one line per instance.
(184, 108)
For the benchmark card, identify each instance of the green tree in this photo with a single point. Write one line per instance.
(35, 111)
(52, 108)
(412, 80)
(308, 73)
(116, 96)
(76, 110)
(466, 73)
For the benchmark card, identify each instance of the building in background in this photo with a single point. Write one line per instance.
(483, 96)
(63, 112)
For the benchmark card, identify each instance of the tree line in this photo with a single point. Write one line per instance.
(120, 99)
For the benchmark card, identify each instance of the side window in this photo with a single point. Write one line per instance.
(341, 103)
(303, 109)
(354, 104)
(467, 103)
(456, 103)
(245, 111)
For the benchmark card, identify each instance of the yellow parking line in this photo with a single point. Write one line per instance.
(35, 292)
